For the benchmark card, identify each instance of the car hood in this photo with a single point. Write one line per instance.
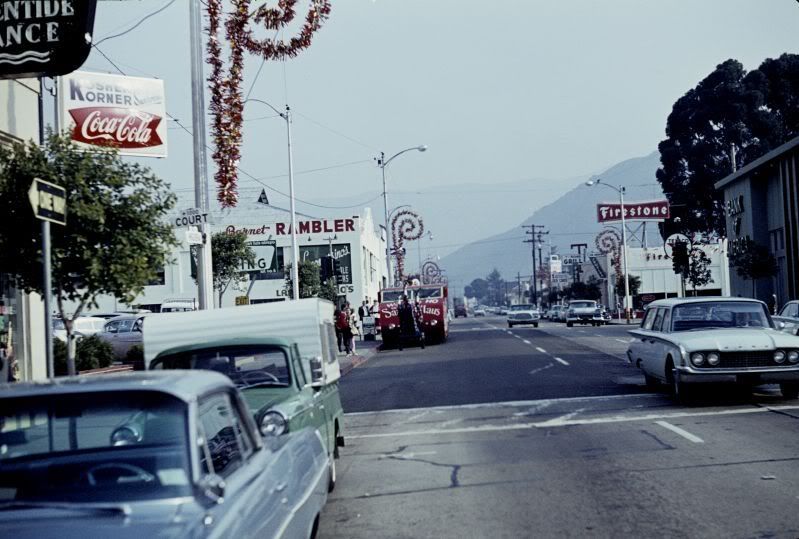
(735, 340)
(164, 521)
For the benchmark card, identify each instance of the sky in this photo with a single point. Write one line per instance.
(531, 91)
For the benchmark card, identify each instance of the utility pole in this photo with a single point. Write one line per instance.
(582, 248)
(532, 233)
(519, 287)
(541, 260)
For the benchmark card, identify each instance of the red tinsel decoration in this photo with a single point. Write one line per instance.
(227, 105)
(405, 226)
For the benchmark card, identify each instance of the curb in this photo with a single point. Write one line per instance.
(357, 361)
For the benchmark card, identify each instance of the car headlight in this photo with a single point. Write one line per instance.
(793, 356)
(779, 356)
(697, 358)
(392, 326)
(273, 424)
(713, 358)
(433, 322)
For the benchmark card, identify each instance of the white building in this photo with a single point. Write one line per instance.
(355, 242)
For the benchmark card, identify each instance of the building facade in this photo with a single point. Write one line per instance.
(22, 338)
(762, 206)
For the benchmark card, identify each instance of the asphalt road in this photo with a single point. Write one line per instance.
(549, 433)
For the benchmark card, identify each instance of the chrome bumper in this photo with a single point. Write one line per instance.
(754, 377)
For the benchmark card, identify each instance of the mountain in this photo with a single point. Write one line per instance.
(571, 219)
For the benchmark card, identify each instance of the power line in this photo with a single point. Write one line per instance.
(339, 133)
(141, 21)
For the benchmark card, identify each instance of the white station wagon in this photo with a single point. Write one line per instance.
(688, 341)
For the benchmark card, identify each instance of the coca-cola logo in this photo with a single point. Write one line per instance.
(113, 126)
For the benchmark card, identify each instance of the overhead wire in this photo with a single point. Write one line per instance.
(141, 21)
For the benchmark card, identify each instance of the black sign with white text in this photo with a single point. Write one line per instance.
(45, 37)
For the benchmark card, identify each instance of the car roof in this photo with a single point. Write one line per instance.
(127, 317)
(239, 341)
(184, 385)
(671, 302)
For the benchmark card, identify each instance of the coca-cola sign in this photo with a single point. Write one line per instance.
(633, 211)
(110, 110)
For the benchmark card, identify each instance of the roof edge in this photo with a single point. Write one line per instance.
(773, 154)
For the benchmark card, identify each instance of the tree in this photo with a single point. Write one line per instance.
(634, 284)
(753, 261)
(495, 283)
(310, 283)
(753, 112)
(116, 237)
(699, 273)
(480, 289)
(468, 291)
(328, 290)
(230, 253)
(580, 290)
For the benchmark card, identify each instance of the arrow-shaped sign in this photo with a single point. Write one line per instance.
(49, 201)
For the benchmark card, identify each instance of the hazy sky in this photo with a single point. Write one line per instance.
(500, 90)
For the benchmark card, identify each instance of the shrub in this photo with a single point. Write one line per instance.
(90, 353)
(135, 357)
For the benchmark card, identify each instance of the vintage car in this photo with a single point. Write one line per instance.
(789, 316)
(281, 356)
(584, 311)
(163, 454)
(687, 341)
(523, 314)
(123, 332)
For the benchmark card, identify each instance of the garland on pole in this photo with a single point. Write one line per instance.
(609, 242)
(431, 273)
(405, 226)
(227, 104)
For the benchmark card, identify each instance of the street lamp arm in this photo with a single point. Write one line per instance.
(281, 114)
(599, 181)
(384, 162)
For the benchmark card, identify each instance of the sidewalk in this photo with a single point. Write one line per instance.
(364, 351)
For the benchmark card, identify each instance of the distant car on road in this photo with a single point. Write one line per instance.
(584, 311)
(789, 316)
(479, 312)
(690, 341)
(523, 314)
(168, 454)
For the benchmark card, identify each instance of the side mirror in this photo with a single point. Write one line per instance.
(317, 372)
(213, 488)
(780, 325)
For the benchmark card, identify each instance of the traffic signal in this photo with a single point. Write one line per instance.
(326, 268)
(679, 257)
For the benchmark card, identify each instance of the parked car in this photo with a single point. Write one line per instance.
(123, 333)
(789, 316)
(523, 314)
(82, 326)
(162, 454)
(690, 341)
(281, 356)
(583, 311)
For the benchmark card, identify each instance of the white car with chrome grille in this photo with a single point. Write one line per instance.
(688, 341)
(523, 314)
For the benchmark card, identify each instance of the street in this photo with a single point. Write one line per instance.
(549, 432)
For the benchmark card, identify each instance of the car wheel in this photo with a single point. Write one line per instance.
(535, 325)
(680, 391)
(331, 478)
(569, 324)
(510, 325)
(651, 381)
(789, 390)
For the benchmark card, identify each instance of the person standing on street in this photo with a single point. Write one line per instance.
(353, 331)
(341, 324)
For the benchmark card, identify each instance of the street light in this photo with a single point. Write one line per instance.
(295, 251)
(382, 162)
(621, 190)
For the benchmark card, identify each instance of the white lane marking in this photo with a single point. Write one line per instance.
(540, 349)
(558, 421)
(509, 404)
(533, 409)
(545, 367)
(562, 361)
(516, 336)
(581, 331)
(682, 432)
(451, 422)
(598, 335)
(525, 341)
(405, 456)
(573, 422)
(414, 417)
(625, 342)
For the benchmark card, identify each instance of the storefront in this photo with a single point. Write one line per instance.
(762, 207)
(354, 242)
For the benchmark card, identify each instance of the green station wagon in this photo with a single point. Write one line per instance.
(282, 357)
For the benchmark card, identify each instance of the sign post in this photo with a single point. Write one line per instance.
(49, 203)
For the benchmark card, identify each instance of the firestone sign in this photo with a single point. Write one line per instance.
(634, 211)
(44, 37)
(112, 110)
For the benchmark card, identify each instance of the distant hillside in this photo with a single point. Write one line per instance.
(571, 219)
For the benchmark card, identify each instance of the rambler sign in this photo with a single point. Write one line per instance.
(112, 110)
(44, 37)
(634, 211)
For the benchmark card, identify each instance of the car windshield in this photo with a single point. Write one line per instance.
(429, 293)
(719, 314)
(582, 305)
(100, 447)
(247, 366)
(524, 307)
